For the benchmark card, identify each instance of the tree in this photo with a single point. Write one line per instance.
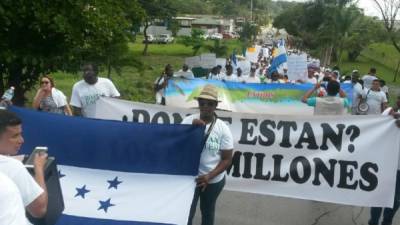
(219, 48)
(196, 40)
(248, 34)
(326, 27)
(174, 27)
(364, 31)
(155, 10)
(389, 10)
(38, 37)
(227, 8)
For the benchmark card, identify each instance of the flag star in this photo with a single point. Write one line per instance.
(60, 175)
(105, 205)
(114, 183)
(81, 191)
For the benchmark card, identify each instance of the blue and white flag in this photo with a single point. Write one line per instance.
(279, 57)
(118, 173)
(234, 59)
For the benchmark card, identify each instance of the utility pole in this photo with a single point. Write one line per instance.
(251, 10)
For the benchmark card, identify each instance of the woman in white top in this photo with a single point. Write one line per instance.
(215, 158)
(50, 99)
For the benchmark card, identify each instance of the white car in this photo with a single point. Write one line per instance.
(165, 39)
(216, 36)
(150, 39)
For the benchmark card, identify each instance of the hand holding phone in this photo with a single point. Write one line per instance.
(38, 150)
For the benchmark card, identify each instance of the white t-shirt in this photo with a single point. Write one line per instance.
(220, 139)
(85, 95)
(251, 79)
(186, 74)
(212, 76)
(357, 91)
(12, 211)
(160, 93)
(312, 80)
(240, 79)
(368, 80)
(385, 89)
(232, 78)
(374, 100)
(17, 172)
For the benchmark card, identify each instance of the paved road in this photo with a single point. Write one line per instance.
(236, 208)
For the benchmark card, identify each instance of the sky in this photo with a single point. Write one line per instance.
(368, 5)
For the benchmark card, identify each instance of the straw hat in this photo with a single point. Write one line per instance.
(209, 92)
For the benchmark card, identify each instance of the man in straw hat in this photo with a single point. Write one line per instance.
(215, 158)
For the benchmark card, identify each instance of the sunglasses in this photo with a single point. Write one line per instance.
(203, 103)
(44, 82)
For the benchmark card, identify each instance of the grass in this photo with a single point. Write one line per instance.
(138, 86)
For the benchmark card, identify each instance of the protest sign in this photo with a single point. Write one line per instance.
(297, 67)
(194, 61)
(337, 159)
(208, 60)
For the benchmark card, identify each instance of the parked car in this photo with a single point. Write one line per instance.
(216, 36)
(165, 39)
(150, 39)
(227, 35)
(230, 35)
(235, 35)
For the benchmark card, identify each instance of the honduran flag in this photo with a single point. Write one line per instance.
(118, 173)
(279, 57)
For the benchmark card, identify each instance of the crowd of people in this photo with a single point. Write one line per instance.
(370, 97)
(370, 93)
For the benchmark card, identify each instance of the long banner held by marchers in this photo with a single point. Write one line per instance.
(118, 173)
(278, 99)
(348, 160)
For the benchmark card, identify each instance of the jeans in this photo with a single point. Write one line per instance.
(208, 199)
(388, 213)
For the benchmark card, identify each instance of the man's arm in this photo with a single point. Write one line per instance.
(310, 92)
(226, 160)
(342, 94)
(38, 208)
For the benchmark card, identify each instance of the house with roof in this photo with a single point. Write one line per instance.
(214, 24)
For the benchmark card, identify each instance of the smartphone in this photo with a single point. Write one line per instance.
(38, 149)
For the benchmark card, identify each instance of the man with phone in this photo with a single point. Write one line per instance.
(33, 190)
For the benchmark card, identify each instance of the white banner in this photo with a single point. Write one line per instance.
(194, 61)
(348, 160)
(208, 60)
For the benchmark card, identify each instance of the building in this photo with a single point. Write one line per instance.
(213, 24)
